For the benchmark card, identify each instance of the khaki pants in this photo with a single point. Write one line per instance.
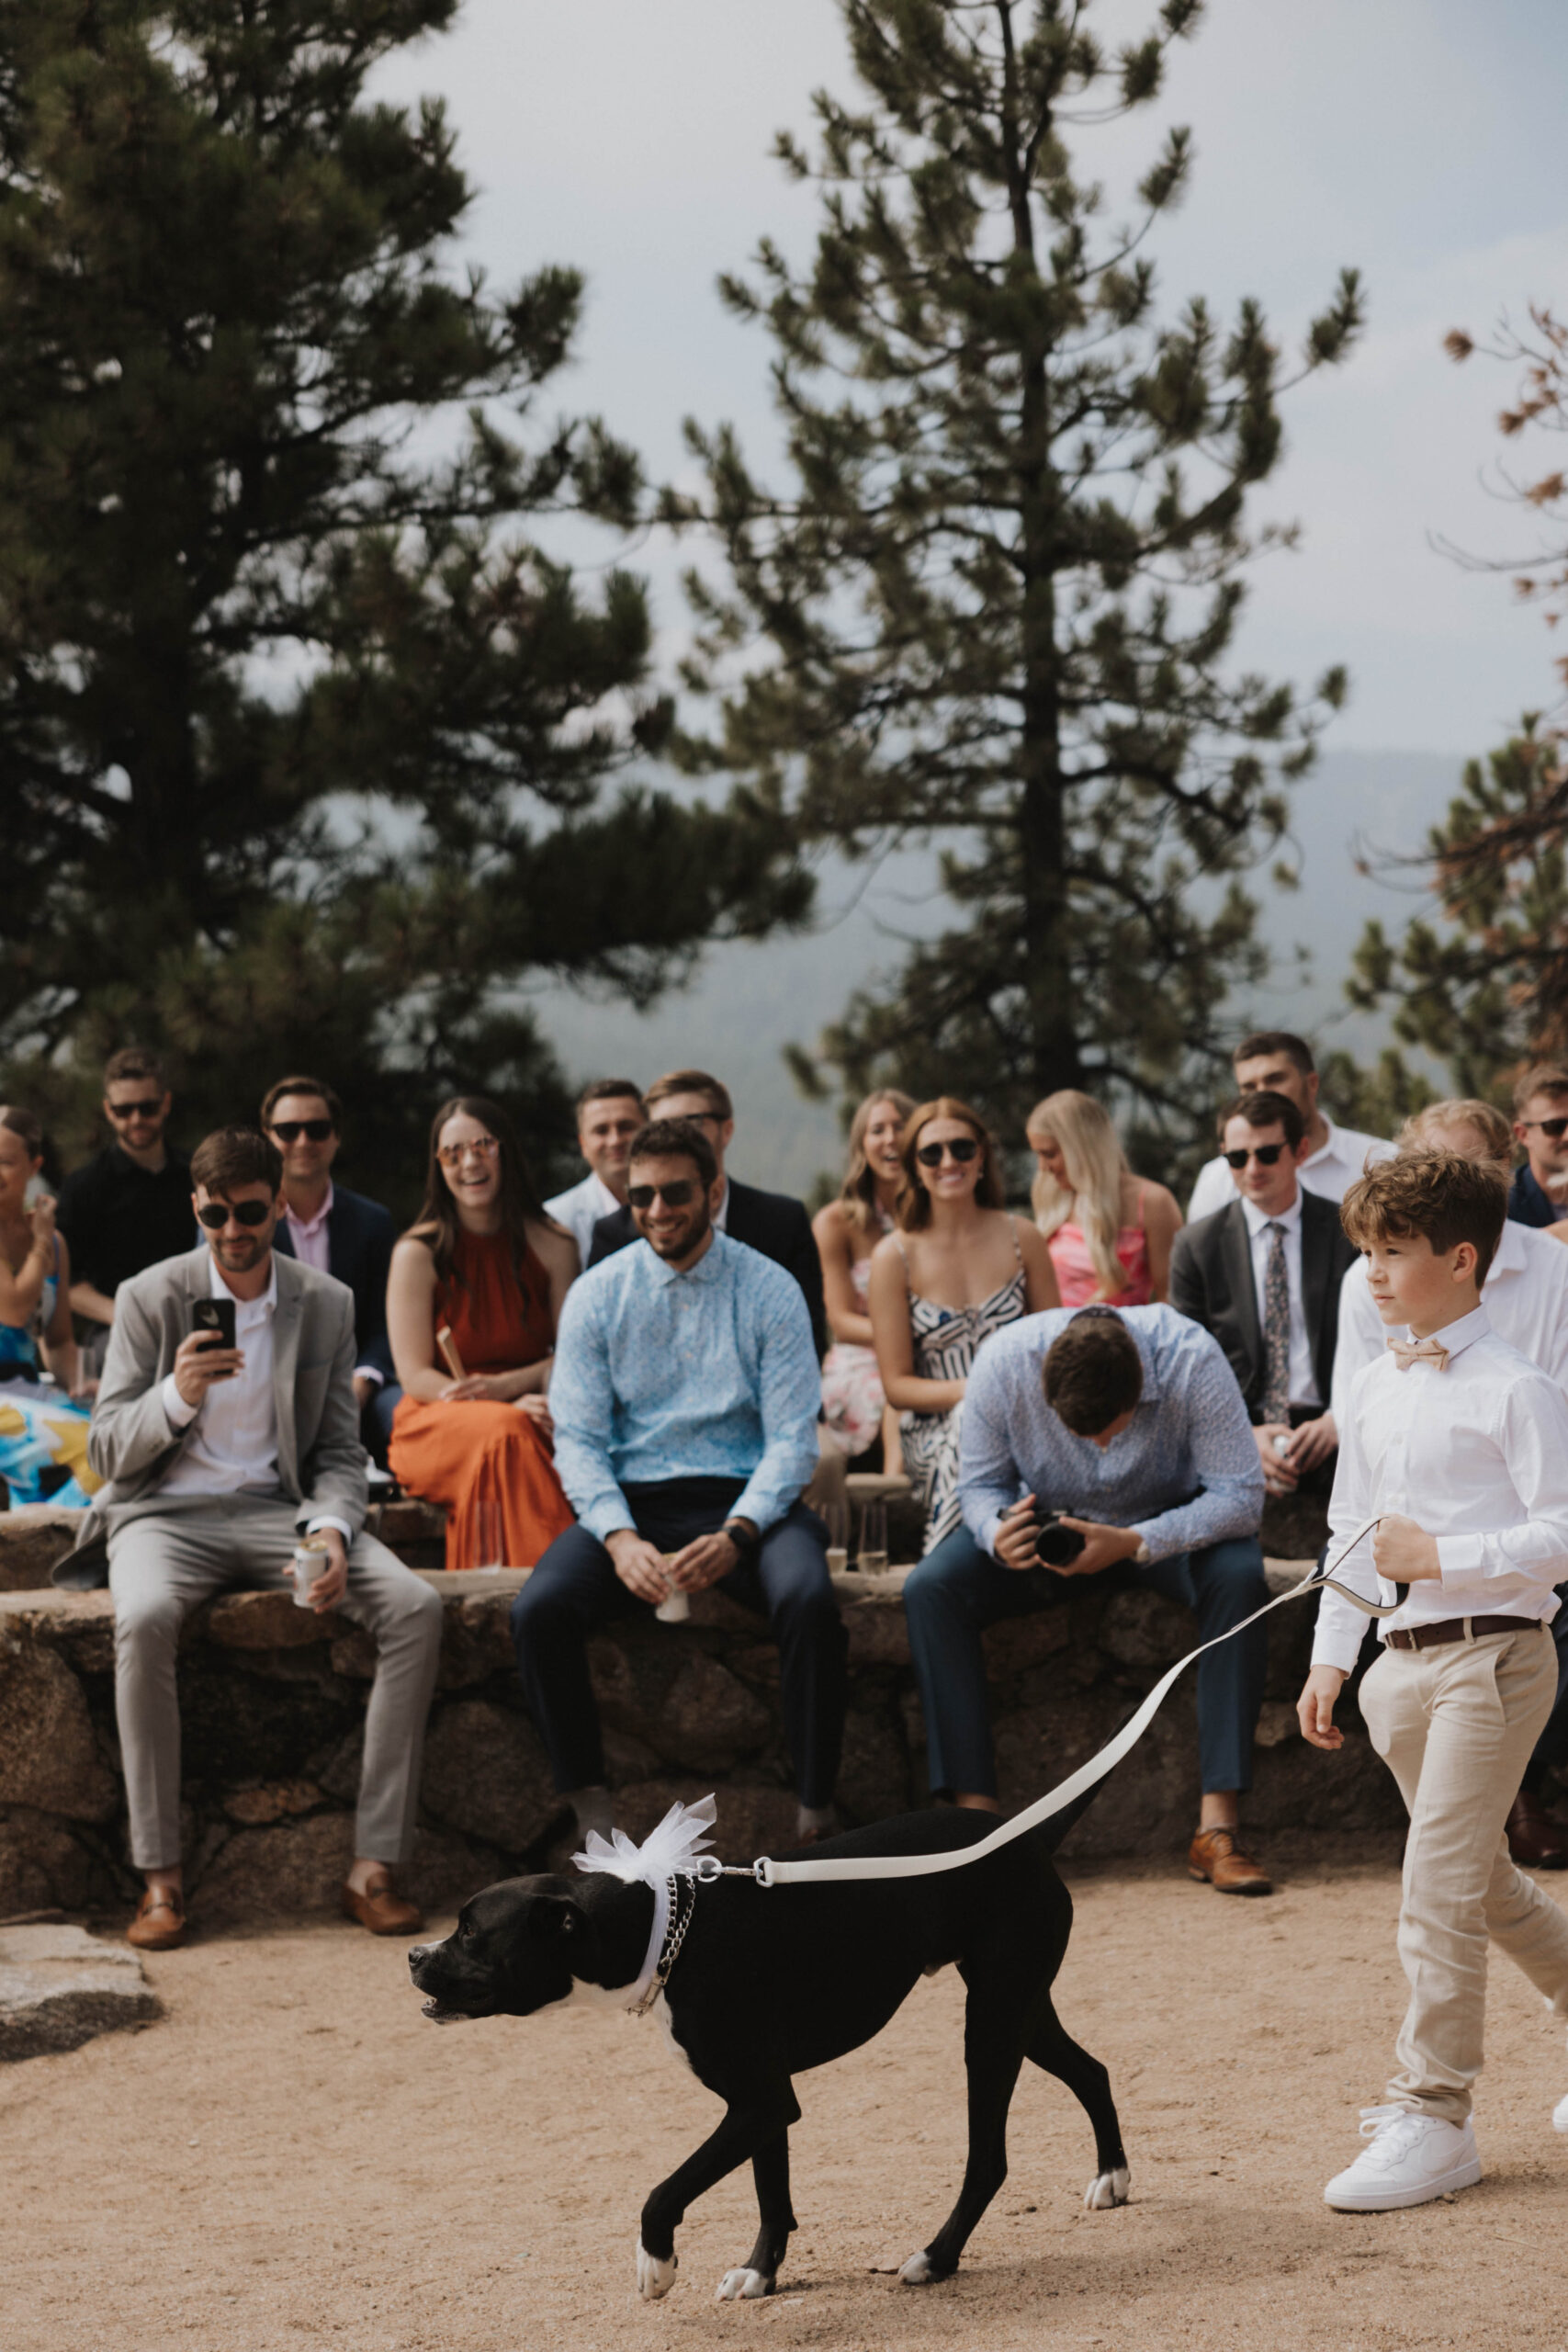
(162, 1565)
(1455, 1725)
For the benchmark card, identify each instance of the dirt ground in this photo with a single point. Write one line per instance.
(294, 2158)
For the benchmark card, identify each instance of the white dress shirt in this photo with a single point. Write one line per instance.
(1477, 1456)
(1525, 1292)
(311, 1244)
(1303, 1379)
(1329, 1171)
(233, 1448)
(580, 1210)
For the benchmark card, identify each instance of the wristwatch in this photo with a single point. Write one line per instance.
(743, 1535)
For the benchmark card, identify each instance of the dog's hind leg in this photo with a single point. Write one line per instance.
(770, 2110)
(993, 2053)
(1053, 2048)
(770, 2168)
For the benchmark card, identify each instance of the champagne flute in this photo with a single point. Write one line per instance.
(873, 1538)
(836, 1518)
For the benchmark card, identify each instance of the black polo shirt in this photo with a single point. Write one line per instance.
(118, 1218)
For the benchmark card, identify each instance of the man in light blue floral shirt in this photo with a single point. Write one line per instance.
(684, 1395)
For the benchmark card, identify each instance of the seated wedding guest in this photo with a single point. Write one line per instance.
(856, 1413)
(1130, 1422)
(1525, 1292)
(1540, 1191)
(43, 1430)
(476, 1293)
(217, 1461)
(131, 1207)
(1263, 1276)
(339, 1232)
(955, 1267)
(609, 1113)
(1276, 1061)
(1109, 1231)
(770, 1222)
(686, 1393)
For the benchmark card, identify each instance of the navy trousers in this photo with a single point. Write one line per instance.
(957, 1591)
(575, 1589)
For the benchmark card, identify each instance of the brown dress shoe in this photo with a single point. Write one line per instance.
(160, 1922)
(382, 1909)
(1215, 1854)
(1536, 1841)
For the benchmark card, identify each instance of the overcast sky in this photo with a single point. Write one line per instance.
(1420, 141)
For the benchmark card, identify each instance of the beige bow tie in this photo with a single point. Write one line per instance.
(1430, 1352)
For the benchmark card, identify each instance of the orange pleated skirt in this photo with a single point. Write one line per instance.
(462, 1452)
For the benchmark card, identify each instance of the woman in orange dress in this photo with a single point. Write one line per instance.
(487, 1270)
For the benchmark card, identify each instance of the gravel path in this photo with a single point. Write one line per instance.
(295, 2158)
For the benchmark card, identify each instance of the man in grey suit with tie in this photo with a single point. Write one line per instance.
(217, 1461)
(1263, 1276)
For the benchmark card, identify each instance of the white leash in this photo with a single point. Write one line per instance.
(770, 1873)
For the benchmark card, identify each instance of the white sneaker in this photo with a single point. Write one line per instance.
(1560, 2116)
(1412, 2158)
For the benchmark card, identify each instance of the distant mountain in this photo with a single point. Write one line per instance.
(748, 1002)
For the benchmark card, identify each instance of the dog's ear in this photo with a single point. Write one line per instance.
(553, 1918)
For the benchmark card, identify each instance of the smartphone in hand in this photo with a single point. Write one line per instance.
(216, 1315)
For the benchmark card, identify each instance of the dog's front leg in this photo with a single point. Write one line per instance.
(770, 2168)
(767, 2114)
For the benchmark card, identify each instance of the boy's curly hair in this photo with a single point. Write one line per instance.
(1438, 1195)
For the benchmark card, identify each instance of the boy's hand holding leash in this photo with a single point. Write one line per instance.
(1403, 1554)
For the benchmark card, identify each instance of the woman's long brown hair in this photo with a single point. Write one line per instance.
(914, 1205)
(438, 1224)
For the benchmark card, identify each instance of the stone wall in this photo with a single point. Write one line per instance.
(273, 1699)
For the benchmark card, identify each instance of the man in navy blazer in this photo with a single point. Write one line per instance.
(339, 1232)
(771, 1223)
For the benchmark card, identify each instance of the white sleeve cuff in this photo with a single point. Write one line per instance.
(314, 1526)
(368, 1372)
(178, 1414)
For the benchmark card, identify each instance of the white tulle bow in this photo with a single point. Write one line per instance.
(669, 1851)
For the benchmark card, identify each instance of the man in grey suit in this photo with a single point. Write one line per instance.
(217, 1461)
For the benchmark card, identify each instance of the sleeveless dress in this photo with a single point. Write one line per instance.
(947, 1340)
(474, 1450)
(1077, 1276)
(43, 1436)
(853, 1401)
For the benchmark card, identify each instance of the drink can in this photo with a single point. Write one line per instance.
(310, 1563)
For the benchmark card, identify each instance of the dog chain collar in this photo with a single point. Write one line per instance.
(674, 1937)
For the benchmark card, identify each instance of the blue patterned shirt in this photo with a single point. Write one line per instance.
(710, 1373)
(1184, 1473)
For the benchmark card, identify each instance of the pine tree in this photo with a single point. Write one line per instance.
(1483, 988)
(997, 607)
(305, 743)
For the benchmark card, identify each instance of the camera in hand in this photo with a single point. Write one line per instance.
(1057, 1544)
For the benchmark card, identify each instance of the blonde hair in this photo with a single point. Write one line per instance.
(1096, 1164)
(1419, 1131)
(858, 1191)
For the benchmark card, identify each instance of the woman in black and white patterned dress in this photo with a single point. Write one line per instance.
(955, 1267)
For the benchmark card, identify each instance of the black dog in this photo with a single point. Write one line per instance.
(773, 1980)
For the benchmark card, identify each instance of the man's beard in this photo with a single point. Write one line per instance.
(693, 1238)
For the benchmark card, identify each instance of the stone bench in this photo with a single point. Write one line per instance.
(273, 1699)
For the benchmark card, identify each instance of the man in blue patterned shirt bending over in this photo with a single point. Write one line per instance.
(1130, 1424)
(684, 1394)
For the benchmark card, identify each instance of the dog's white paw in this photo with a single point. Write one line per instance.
(1106, 2189)
(743, 2287)
(654, 2278)
(917, 2271)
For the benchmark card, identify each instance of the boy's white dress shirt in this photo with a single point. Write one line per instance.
(1525, 1292)
(1477, 1456)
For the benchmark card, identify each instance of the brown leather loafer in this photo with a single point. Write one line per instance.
(1215, 1854)
(159, 1924)
(1536, 1841)
(382, 1909)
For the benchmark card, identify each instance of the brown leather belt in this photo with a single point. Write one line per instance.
(1457, 1629)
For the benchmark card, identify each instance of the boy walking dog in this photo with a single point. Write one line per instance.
(1459, 1445)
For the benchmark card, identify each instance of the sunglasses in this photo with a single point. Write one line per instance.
(675, 1196)
(1265, 1154)
(217, 1214)
(1555, 1128)
(290, 1130)
(452, 1155)
(147, 1108)
(931, 1154)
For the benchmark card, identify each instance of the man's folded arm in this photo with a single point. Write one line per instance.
(989, 1479)
(1224, 1463)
